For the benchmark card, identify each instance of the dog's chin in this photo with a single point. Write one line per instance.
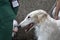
(29, 27)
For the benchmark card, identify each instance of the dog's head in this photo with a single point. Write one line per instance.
(33, 18)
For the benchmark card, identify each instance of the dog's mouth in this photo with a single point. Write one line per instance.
(29, 27)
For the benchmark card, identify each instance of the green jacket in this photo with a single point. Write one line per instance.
(7, 14)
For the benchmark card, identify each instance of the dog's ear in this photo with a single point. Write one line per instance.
(42, 17)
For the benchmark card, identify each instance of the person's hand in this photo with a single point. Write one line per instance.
(15, 29)
(15, 24)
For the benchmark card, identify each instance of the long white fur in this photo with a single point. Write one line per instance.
(46, 29)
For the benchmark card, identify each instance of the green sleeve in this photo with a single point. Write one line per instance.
(15, 10)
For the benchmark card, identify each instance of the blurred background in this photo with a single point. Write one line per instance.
(26, 6)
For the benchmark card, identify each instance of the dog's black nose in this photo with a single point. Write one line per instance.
(19, 26)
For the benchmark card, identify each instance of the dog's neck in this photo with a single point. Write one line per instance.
(55, 21)
(51, 19)
(42, 30)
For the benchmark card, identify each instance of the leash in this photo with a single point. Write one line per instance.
(50, 12)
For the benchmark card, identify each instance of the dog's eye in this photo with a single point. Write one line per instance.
(28, 16)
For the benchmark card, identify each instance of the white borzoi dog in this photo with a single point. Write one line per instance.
(46, 28)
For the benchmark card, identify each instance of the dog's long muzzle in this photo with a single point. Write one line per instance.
(28, 27)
